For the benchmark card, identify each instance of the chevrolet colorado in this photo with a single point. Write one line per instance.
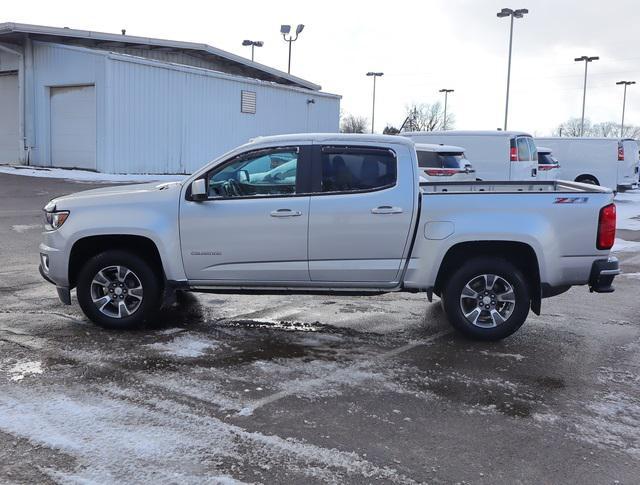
(330, 213)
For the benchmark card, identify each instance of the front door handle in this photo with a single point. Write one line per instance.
(285, 213)
(387, 209)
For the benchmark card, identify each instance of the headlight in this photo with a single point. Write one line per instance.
(53, 220)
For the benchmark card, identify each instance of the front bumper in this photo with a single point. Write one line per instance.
(603, 271)
(64, 294)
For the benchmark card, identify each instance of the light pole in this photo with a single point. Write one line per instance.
(373, 111)
(624, 102)
(446, 94)
(586, 60)
(518, 14)
(253, 43)
(284, 30)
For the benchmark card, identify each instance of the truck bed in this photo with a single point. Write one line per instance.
(555, 186)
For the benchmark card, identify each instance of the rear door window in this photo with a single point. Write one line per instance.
(351, 169)
(428, 160)
(523, 149)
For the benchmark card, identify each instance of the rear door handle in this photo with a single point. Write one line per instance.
(285, 213)
(387, 209)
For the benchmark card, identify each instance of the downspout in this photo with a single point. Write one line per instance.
(21, 131)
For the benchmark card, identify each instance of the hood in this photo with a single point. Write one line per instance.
(114, 194)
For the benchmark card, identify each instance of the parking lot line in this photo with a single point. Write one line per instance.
(309, 384)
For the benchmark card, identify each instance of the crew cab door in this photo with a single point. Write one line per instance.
(253, 225)
(360, 213)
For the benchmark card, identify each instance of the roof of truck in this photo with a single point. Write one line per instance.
(333, 138)
(467, 133)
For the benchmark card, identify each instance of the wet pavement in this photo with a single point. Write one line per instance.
(308, 389)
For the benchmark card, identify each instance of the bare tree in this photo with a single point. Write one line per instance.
(571, 127)
(606, 129)
(427, 117)
(354, 124)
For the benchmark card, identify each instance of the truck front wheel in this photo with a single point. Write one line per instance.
(119, 290)
(486, 298)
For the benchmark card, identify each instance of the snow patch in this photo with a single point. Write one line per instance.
(85, 175)
(622, 246)
(628, 210)
(20, 228)
(185, 346)
(22, 369)
(517, 357)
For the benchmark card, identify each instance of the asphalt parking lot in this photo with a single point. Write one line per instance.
(308, 389)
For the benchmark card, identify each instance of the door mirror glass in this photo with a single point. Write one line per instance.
(199, 189)
(243, 176)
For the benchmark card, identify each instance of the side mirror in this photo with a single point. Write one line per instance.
(198, 190)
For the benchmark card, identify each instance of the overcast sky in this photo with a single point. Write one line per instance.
(420, 46)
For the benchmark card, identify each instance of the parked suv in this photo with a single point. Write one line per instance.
(444, 163)
(548, 165)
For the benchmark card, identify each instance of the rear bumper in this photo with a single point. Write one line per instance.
(603, 271)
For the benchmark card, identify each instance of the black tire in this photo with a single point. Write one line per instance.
(151, 291)
(469, 273)
(587, 179)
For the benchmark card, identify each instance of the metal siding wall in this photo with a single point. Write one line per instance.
(56, 65)
(165, 120)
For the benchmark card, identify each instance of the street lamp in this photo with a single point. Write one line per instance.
(373, 112)
(285, 30)
(446, 94)
(253, 44)
(624, 102)
(586, 60)
(518, 14)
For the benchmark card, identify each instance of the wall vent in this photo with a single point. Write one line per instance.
(248, 102)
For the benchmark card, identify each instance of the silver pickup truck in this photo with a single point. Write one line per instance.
(330, 213)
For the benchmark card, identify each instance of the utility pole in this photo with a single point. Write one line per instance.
(373, 110)
(518, 14)
(586, 60)
(624, 102)
(446, 93)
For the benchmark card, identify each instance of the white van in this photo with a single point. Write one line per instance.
(444, 163)
(610, 162)
(496, 155)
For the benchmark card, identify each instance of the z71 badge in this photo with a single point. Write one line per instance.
(571, 200)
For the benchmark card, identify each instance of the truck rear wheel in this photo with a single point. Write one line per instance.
(118, 290)
(486, 299)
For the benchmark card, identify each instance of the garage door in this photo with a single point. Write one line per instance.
(9, 140)
(73, 127)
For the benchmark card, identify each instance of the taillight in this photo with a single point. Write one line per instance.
(620, 153)
(440, 172)
(606, 227)
(514, 154)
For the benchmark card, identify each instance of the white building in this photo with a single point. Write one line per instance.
(124, 104)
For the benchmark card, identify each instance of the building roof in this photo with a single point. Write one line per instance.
(14, 33)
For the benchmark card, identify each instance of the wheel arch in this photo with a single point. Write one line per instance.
(518, 253)
(584, 176)
(85, 248)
